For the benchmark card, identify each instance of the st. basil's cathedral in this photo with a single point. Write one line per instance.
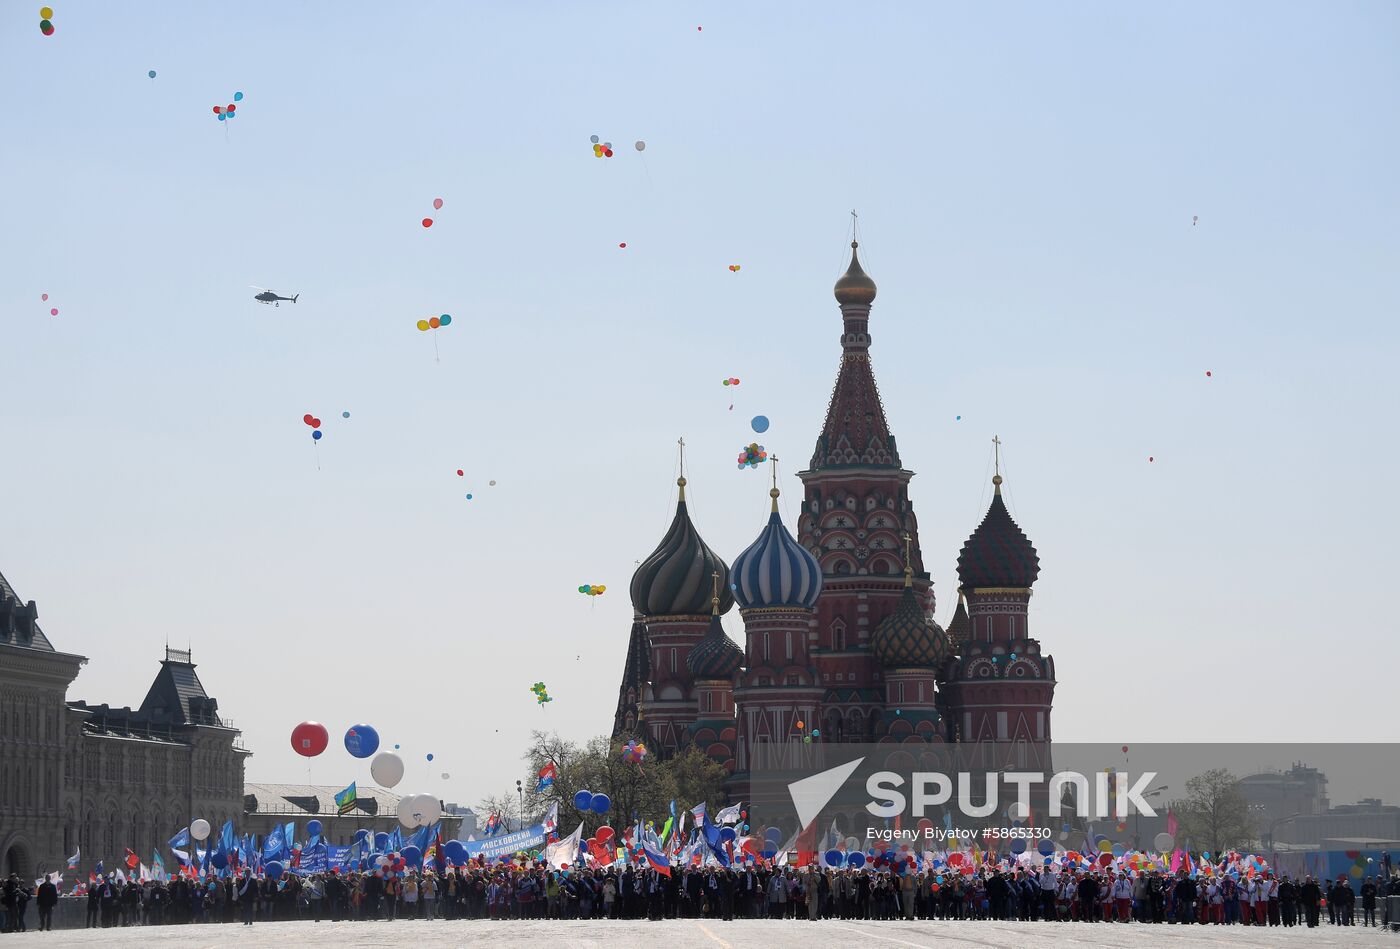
(840, 643)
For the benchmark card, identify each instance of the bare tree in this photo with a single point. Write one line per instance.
(1214, 814)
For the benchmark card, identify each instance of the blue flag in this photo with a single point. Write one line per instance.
(289, 836)
(273, 846)
(226, 838)
(395, 841)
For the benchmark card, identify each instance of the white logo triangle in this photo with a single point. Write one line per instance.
(810, 795)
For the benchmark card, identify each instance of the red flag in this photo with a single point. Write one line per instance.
(807, 845)
(131, 859)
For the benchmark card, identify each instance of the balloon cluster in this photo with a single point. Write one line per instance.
(45, 20)
(634, 752)
(731, 381)
(604, 149)
(222, 112)
(733, 268)
(315, 424)
(437, 206)
(588, 801)
(541, 693)
(53, 311)
(752, 455)
(591, 590)
(434, 323)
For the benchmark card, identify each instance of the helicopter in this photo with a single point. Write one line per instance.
(270, 296)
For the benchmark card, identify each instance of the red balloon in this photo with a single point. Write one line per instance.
(232, 107)
(459, 472)
(308, 418)
(1125, 749)
(315, 423)
(603, 834)
(623, 244)
(218, 109)
(427, 222)
(309, 739)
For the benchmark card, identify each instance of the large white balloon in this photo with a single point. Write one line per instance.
(429, 809)
(199, 828)
(386, 769)
(408, 810)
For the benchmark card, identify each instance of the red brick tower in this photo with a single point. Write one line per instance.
(1001, 687)
(855, 511)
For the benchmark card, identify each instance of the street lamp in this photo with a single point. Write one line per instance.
(520, 789)
(1137, 818)
(1274, 824)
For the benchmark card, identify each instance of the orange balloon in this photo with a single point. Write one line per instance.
(435, 322)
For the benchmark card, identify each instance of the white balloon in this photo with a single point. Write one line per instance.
(428, 808)
(199, 828)
(381, 861)
(408, 810)
(386, 769)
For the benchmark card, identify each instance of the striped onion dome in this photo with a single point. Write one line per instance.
(716, 656)
(676, 579)
(998, 554)
(775, 570)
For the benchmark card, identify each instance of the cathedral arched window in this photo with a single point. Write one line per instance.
(789, 645)
(766, 655)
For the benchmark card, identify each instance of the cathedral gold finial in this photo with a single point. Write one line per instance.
(996, 453)
(908, 559)
(714, 593)
(774, 492)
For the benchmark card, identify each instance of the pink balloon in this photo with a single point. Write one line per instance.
(44, 297)
(53, 312)
(437, 204)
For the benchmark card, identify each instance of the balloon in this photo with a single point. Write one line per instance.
(430, 756)
(412, 856)
(316, 436)
(46, 13)
(381, 843)
(362, 835)
(469, 497)
(594, 139)
(408, 811)
(313, 828)
(623, 244)
(273, 869)
(344, 414)
(856, 860)
(427, 222)
(816, 733)
(1046, 848)
(833, 857)
(583, 800)
(386, 769)
(423, 325)
(361, 741)
(641, 146)
(44, 297)
(53, 312)
(1125, 749)
(434, 322)
(437, 204)
(151, 73)
(1150, 458)
(445, 320)
(309, 739)
(238, 97)
(734, 268)
(46, 27)
(600, 804)
(455, 851)
(199, 828)
(491, 483)
(1163, 842)
(727, 834)
(1207, 371)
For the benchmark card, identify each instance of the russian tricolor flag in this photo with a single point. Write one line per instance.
(656, 859)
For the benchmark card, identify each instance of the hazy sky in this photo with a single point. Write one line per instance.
(1026, 177)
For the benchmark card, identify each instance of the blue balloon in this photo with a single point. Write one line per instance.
(726, 834)
(455, 851)
(769, 854)
(1018, 846)
(760, 423)
(600, 803)
(773, 834)
(834, 857)
(313, 828)
(221, 116)
(430, 756)
(151, 73)
(219, 859)
(316, 435)
(273, 869)
(381, 842)
(361, 835)
(1046, 848)
(361, 740)
(856, 860)
(583, 800)
(238, 97)
(412, 855)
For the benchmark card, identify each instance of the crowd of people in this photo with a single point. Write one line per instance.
(534, 891)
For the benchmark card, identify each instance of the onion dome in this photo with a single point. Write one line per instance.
(675, 579)
(998, 554)
(906, 638)
(716, 656)
(960, 629)
(775, 570)
(855, 285)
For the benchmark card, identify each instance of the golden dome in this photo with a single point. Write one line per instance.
(855, 285)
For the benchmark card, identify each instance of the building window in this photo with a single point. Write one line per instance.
(789, 645)
(673, 660)
(840, 677)
(766, 655)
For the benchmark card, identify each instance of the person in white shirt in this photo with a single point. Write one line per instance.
(1123, 897)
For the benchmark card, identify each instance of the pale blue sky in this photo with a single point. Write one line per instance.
(1026, 177)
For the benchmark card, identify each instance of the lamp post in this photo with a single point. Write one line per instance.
(1137, 818)
(520, 789)
(1274, 824)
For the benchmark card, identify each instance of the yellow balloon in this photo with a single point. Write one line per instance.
(423, 325)
(46, 13)
(602, 589)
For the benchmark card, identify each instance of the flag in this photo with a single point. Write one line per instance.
(96, 873)
(655, 858)
(564, 851)
(698, 812)
(73, 860)
(157, 865)
(143, 874)
(179, 841)
(345, 800)
(1172, 826)
(547, 775)
(273, 845)
(551, 819)
(730, 815)
(121, 877)
(289, 835)
(131, 859)
(226, 837)
(494, 825)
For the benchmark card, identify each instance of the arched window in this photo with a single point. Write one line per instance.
(789, 644)
(766, 655)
